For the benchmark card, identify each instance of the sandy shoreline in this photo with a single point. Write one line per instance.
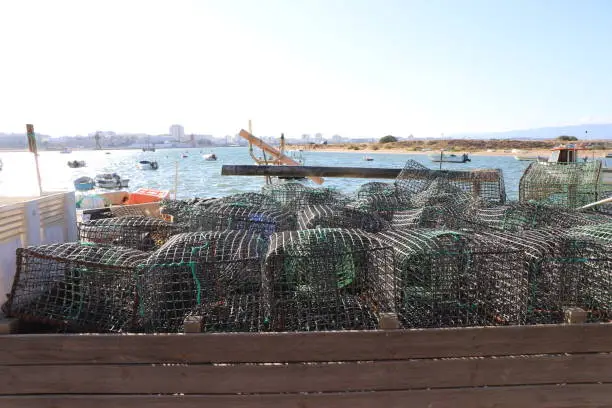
(500, 153)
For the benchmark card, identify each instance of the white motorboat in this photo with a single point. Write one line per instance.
(210, 157)
(147, 165)
(111, 180)
(526, 158)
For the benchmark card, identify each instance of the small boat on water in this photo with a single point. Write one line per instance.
(75, 164)
(368, 158)
(111, 180)
(147, 165)
(0, 164)
(184, 155)
(210, 157)
(66, 150)
(449, 158)
(527, 158)
(84, 183)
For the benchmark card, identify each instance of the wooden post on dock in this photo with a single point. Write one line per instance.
(34, 149)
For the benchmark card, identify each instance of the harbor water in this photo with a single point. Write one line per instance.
(200, 178)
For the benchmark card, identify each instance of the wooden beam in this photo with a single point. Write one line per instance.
(557, 396)
(311, 377)
(275, 152)
(358, 172)
(311, 346)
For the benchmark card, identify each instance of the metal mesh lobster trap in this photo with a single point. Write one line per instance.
(76, 287)
(142, 233)
(383, 205)
(563, 184)
(215, 275)
(183, 211)
(295, 195)
(562, 273)
(244, 217)
(450, 279)
(518, 216)
(601, 233)
(326, 279)
(440, 205)
(330, 216)
(375, 188)
(487, 185)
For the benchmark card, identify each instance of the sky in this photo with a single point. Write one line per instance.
(350, 67)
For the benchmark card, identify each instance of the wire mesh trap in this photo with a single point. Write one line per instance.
(326, 279)
(215, 275)
(329, 216)
(563, 184)
(375, 188)
(563, 272)
(294, 195)
(244, 217)
(385, 206)
(487, 185)
(449, 279)
(183, 211)
(518, 216)
(77, 287)
(440, 205)
(142, 233)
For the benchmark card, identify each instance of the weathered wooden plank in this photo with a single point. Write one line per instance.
(550, 396)
(476, 175)
(313, 346)
(254, 379)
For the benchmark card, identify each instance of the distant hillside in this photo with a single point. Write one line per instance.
(595, 132)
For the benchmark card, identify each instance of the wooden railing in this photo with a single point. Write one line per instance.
(33, 221)
(503, 367)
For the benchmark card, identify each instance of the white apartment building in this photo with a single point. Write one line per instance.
(177, 132)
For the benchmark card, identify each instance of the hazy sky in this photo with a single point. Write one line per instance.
(353, 67)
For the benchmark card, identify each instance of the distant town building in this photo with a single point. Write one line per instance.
(336, 139)
(318, 138)
(177, 132)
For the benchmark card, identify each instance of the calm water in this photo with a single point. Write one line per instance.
(200, 178)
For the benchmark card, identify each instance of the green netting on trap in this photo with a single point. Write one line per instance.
(562, 184)
(439, 205)
(183, 211)
(294, 195)
(450, 279)
(375, 188)
(385, 206)
(326, 279)
(487, 185)
(563, 272)
(76, 287)
(215, 275)
(598, 232)
(142, 233)
(333, 216)
(518, 216)
(242, 217)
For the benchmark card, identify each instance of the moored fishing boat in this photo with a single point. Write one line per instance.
(74, 164)
(84, 183)
(449, 158)
(210, 157)
(111, 181)
(147, 165)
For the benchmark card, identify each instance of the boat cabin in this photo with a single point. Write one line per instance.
(565, 154)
